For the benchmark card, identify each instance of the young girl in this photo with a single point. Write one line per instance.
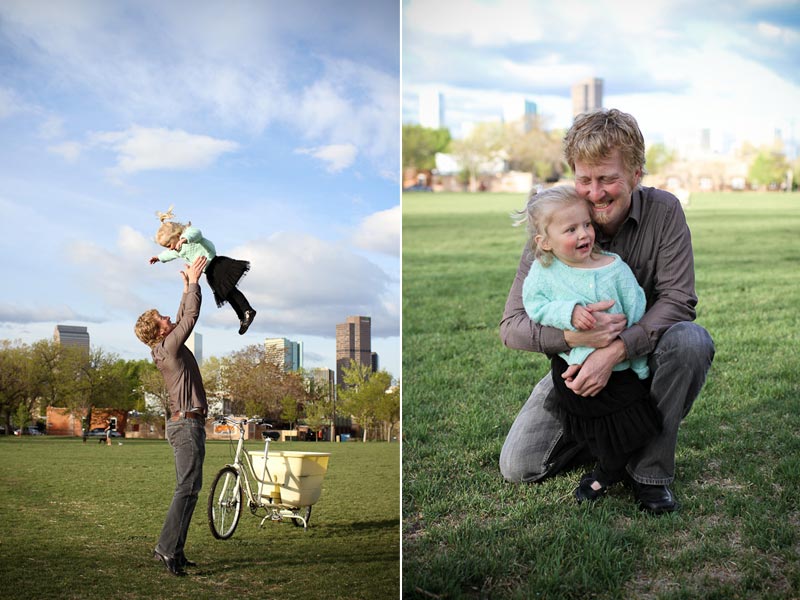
(568, 273)
(222, 273)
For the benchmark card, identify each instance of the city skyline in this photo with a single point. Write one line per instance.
(270, 130)
(678, 67)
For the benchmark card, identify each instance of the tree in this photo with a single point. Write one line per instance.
(769, 168)
(363, 392)
(535, 150)
(483, 146)
(658, 157)
(257, 385)
(20, 383)
(420, 145)
(388, 409)
(290, 410)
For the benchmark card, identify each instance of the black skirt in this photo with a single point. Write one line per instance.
(617, 421)
(223, 274)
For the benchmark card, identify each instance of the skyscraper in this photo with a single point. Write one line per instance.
(431, 109)
(195, 345)
(353, 342)
(587, 95)
(284, 353)
(72, 335)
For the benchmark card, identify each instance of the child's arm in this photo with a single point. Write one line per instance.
(165, 256)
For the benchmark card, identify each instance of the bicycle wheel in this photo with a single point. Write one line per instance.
(225, 503)
(307, 517)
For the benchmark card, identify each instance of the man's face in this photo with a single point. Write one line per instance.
(165, 325)
(608, 186)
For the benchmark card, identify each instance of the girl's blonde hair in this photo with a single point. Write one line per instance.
(169, 230)
(538, 213)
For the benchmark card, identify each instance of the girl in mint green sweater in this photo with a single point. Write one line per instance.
(569, 273)
(222, 273)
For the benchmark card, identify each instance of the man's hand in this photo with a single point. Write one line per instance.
(606, 329)
(192, 273)
(592, 376)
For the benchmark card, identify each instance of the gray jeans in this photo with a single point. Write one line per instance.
(188, 440)
(534, 448)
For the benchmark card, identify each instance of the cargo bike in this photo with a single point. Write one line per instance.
(285, 485)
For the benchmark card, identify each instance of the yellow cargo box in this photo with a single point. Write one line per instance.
(294, 479)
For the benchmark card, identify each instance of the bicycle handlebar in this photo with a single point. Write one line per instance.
(242, 422)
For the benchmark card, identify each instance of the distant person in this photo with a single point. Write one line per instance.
(222, 273)
(646, 227)
(107, 431)
(568, 273)
(188, 408)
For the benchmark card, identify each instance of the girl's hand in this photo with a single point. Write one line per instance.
(582, 319)
(153, 260)
(181, 242)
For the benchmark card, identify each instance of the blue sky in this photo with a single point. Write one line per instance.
(271, 126)
(678, 66)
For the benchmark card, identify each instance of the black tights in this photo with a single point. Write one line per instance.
(238, 302)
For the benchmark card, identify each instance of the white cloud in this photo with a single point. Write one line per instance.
(10, 313)
(146, 149)
(304, 284)
(69, 151)
(380, 232)
(336, 157)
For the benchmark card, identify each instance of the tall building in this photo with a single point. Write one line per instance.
(353, 342)
(587, 95)
(520, 110)
(285, 353)
(72, 335)
(195, 345)
(431, 109)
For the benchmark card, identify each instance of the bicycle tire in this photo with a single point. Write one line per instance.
(225, 503)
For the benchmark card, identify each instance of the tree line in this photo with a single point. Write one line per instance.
(531, 148)
(45, 373)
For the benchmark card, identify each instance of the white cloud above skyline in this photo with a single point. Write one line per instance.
(677, 65)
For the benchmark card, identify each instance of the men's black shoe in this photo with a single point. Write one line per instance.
(655, 499)
(249, 315)
(171, 564)
(185, 562)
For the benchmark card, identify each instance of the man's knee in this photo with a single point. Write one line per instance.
(686, 344)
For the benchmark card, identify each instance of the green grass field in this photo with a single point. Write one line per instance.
(81, 520)
(469, 534)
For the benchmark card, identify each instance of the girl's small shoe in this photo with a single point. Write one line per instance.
(249, 315)
(585, 491)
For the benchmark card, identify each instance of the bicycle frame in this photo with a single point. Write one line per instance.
(245, 467)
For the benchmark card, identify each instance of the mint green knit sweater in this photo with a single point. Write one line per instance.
(549, 295)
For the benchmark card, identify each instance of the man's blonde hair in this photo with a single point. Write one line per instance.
(148, 327)
(594, 135)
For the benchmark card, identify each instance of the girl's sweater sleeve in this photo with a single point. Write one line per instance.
(168, 255)
(541, 306)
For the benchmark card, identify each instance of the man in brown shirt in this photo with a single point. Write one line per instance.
(648, 229)
(187, 406)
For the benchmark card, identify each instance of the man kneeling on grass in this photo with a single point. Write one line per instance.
(187, 404)
(647, 228)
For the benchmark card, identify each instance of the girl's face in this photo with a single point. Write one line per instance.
(570, 235)
(172, 244)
